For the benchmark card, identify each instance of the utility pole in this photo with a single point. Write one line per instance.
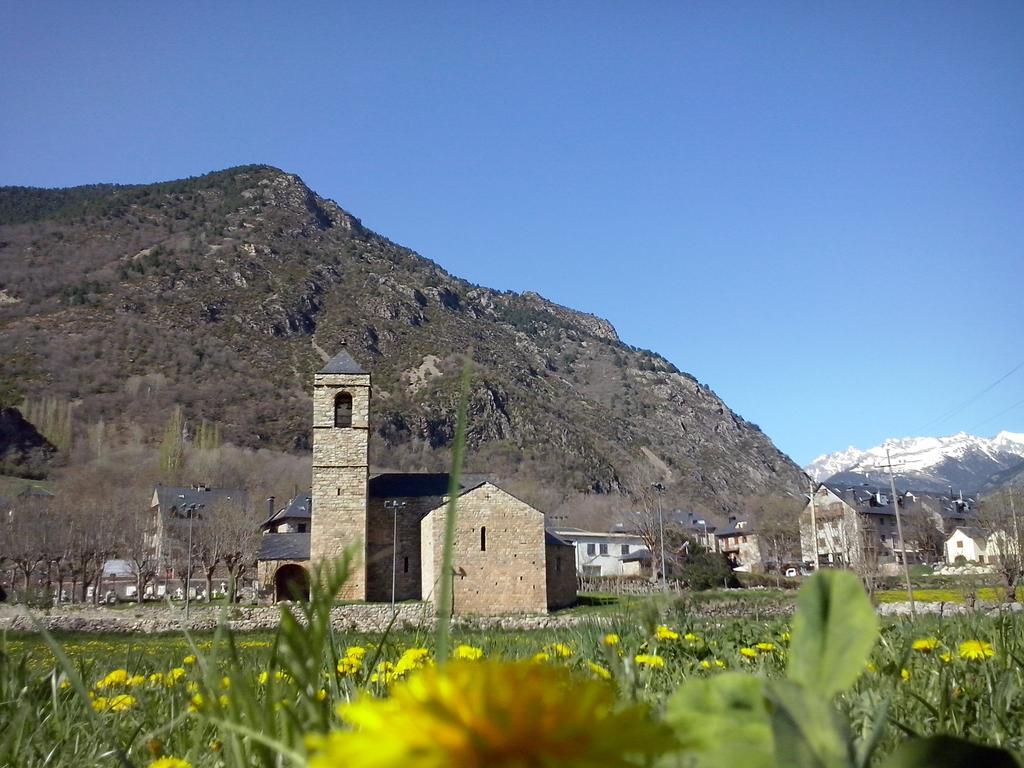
(661, 535)
(394, 505)
(899, 530)
(190, 510)
(814, 525)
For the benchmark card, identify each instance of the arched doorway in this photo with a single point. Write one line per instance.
(291, 582)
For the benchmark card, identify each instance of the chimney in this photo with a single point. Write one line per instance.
(270, 507)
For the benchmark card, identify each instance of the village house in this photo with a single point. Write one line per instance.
(857, 527)
(171, 512)
(741, 545)
(599, 553)
(504, 559)
(972, 545)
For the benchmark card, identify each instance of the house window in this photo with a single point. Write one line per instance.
(591, 549)
(959, 545)
(405, 564)
(604, 549)
(625, 549)
(483, 538)
(744, 539)
(343, 410)
(302, 527)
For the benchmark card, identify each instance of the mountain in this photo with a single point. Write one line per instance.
(224, 293)
(930, 464)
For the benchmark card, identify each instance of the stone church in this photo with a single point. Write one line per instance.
(504, 559)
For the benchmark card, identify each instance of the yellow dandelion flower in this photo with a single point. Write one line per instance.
(281, 677)
(540, 658)
(765, 647)
(196, 703)
(905, 674)
(646, 660)
(559, 649)
(172, 677)
(118, 703)
(664, 633)
(691, 638)
(65, 684)
(748, 653)
(468, 653)
(188, 660)
(870, 667)
(411, 659)
(191, 686)
(489, 713)
(117, 677)
(610, 639)
(349, 665)
(946, 656)
(925, 644)
(156, 678)
(225, 682)
(599, 671)
(263, 678)
(784, 637)
(321, 695)
(170, 762)
(385, 673)
(705, 664)
(355, 651)
(135, 680)
(719, 663)
(223, 701)
(976, 650)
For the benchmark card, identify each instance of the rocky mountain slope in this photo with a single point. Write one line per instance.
(224, 293)
(930, 464)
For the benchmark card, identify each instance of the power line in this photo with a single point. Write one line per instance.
(957, 408)
(993, 418)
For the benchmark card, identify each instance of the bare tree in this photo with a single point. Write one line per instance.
(998, 513)
(776, 523)
(241, 537)
(23, 543)
(923, 532)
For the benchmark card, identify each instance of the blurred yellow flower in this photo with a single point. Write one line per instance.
(117, 677)
(174, 676)
(170, 762)
(664, 633)
(411, 659)
(492, 714)
(647, 660)
(765, 647)
(559, 649)
(540, 658)
(468, 653)
(598, 670)
(264, 677)
(946, 656)
(118, 703)
(748, 653)
(691, 638)
(610, 639)
(321, 695)
(190, 659)
(976, 650)
(905, 674)
(385, 673)
(925, 644)
(156, 678)
(135, 680)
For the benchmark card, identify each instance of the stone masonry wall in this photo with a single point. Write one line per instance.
(561, 575)
(379, 535)
(506, 576)
(340, 475)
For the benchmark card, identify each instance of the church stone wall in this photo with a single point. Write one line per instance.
(505, 575)
(561, 573)
(379, 535)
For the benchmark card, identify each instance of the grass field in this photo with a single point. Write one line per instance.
(262, 699)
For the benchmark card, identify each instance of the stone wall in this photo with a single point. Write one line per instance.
(498, 559)
(379, 535)
(340, 475)
(561, 575)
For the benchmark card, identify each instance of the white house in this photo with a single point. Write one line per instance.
(973, 544)
(600, 554)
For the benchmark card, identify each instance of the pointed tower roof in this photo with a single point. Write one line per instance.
(342, 363)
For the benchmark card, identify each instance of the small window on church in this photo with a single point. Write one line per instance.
(343, 410)
(405, 564)
(483, 538)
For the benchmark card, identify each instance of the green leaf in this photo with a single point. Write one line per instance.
(807, 730)
(948, 752)
(834, 630)
(723, 720)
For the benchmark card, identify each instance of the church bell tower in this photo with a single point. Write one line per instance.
(341, 429)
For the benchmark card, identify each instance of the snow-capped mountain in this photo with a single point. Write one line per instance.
(928, 464)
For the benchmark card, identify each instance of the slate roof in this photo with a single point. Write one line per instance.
(299, 508)
(415, 485)
(342, 362)
(733, 529)
(640, 555)
(284, 546)
(170, 498)
(550, 538)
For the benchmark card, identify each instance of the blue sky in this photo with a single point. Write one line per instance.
(815, 208)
